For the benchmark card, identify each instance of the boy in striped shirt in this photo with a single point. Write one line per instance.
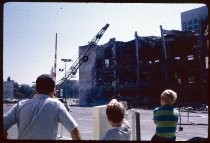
(166, 117)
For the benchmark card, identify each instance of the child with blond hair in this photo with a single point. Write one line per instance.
(166, 117)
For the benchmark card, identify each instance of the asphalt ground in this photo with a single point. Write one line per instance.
(194, 124)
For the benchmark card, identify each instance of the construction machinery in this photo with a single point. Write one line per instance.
(83, 57)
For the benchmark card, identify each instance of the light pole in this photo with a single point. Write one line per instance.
(61, 91)
(66, 60)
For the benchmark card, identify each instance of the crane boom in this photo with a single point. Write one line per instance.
(55, 62)
(83, 57)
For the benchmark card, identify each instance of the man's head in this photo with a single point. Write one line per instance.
(168, 97)
(45, 84)
(115, 113)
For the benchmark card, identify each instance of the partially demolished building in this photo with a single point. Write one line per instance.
(139, 70)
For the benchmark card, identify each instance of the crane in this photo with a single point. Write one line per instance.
(83, 57)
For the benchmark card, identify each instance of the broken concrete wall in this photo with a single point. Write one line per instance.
(85, 76)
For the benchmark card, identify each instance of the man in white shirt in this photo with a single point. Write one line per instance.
(38, 118)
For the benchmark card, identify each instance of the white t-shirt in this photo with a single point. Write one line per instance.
(119, 133)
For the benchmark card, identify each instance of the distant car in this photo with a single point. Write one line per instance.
(75, 102)
(10, 100)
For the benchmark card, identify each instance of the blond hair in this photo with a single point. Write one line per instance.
(169, 96)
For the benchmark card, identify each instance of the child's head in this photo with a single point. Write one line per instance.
(168, 97)
(115, 113)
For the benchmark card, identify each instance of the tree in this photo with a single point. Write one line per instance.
(26, 91)
(16, 85)
(8, 79)
(16, 89)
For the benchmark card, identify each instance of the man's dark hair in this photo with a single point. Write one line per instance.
(45, 84)
(116, 113)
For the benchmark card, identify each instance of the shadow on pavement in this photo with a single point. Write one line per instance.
(198, 139)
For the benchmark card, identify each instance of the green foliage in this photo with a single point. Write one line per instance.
(22, 91)
(25, 90)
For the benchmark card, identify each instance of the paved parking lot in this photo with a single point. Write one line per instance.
(196, 125)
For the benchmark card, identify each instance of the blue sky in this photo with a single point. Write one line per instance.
(29, 31)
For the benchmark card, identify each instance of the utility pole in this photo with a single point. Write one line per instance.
(114, 67)
(137, 59)
(165, 59)
(137, 65)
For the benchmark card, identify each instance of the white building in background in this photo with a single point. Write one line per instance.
(8, 89)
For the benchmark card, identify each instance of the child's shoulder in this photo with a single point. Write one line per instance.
(165, 107)
(157, 108)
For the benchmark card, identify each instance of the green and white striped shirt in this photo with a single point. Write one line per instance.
(166, 119)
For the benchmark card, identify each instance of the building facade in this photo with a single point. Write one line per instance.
(115, 70)
(197, 20)
(68, 89)
(191, 19)
(139, 70)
